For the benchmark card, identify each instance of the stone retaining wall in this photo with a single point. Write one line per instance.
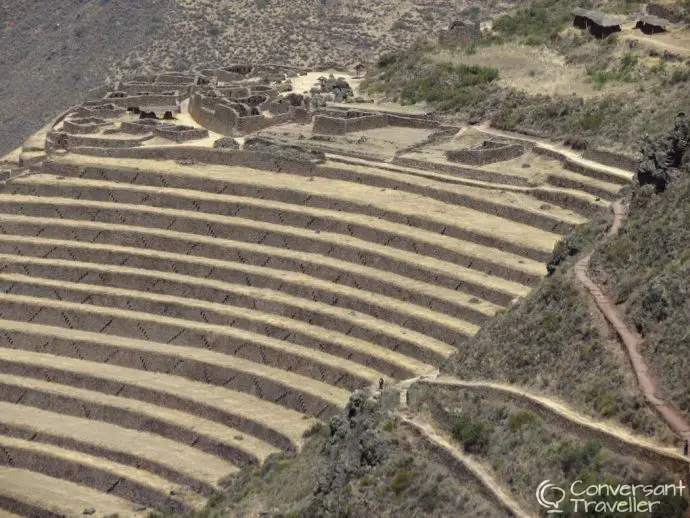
(136, 101)
(253, 159)
(327, 124)
(172, 132)
(465, 172)
(612, 159)
(486, 155)
(76, 141)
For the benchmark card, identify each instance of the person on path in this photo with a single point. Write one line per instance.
(381, 388)
(685, 448)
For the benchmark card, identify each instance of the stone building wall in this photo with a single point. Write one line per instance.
(611, 159)
(485, 155)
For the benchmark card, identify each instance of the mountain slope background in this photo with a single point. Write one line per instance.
(51, 53)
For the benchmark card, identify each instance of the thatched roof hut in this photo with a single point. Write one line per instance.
(599, 24)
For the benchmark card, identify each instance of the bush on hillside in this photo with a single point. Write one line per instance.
(538, 22)
(474, 435)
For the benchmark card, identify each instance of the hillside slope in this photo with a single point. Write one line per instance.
(51, 54)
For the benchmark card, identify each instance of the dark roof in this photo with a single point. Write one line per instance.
(650, 19)
(601, 19)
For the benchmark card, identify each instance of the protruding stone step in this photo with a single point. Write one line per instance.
(56, 498)
(221, 440)
(102, 475)
(165, 458)
(238, 232)
(285, 327)
(194, 363)
(248, 413)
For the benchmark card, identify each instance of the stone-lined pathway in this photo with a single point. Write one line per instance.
(630, 338)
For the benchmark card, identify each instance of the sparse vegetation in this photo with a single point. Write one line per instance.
(447, 86)
(647, 267)
(523, 449)
(474, 435)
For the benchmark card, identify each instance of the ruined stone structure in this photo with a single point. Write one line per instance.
(598, 24)
(489, 152)
(341, 121)
(236, 110)
(460, 32)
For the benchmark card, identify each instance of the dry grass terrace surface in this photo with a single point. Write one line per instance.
(219, 312)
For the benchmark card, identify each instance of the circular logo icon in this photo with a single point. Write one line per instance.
(550, 496)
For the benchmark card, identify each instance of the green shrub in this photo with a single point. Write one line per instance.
(574, 458)
(402, 481)
(387, 59)
(389, 425)
(474, 435)
(542, 20)
(520, 419)
(449, 86)
(607, 404)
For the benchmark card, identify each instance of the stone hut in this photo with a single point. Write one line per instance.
(651, 24)
(459, 32)
(598, 24)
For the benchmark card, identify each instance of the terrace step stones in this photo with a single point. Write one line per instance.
(196, 320)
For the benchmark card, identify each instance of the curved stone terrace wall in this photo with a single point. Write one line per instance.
(488, 153)
(139, 127)
(76, 141)
(107, 111)
(266, 161)
(179, 133)
(84, 125)
(145, 99)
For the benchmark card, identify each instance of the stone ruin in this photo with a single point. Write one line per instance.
(237, 109)
(282, 150)
(338, 121)
(488, 152)
(179, 133)
(84, 125)
(332, 89)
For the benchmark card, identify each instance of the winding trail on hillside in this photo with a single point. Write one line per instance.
(630, 338)
(453, 455)
(581, 425)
